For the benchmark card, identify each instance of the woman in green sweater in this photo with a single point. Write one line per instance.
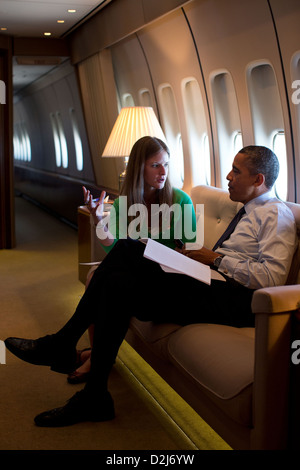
(148, 207)
(164, 213)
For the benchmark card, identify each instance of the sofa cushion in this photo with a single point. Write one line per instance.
(153, 332)
(219, 358)
(156, 335)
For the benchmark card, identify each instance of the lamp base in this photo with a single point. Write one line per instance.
(121, 180)
(123, 175)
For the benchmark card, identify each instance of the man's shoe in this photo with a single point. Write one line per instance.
(44, 351)
(79, 408)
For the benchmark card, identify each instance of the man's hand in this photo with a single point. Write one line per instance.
(204, 255)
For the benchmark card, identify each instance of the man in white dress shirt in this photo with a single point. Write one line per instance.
(259, 251)
(257, 254)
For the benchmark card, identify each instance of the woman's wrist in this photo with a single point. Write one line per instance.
(97, 220)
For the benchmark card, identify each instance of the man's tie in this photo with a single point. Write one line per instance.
(230, 228)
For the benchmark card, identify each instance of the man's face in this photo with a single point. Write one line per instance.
(242, 185)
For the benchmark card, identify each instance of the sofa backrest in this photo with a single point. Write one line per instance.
(219, 211)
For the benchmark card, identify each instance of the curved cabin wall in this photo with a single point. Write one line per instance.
(267, 117)
(218, 74)
(227, 118)
(49, 134)
(169, 48)
(287, 18)
(230, 38)
(216, 45)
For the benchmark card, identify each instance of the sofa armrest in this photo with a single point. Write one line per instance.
(276, 299)
(274, 309)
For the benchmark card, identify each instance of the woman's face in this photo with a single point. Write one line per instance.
(156, 171)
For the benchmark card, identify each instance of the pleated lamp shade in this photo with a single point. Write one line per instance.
(132, 124)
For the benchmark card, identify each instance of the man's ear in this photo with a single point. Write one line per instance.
(259, 179)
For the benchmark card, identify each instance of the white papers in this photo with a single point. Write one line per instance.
(173, 261)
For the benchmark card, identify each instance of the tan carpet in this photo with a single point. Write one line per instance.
(39, 291)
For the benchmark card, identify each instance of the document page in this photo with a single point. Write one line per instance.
(173, 261)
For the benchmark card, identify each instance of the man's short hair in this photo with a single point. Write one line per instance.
(262, 160)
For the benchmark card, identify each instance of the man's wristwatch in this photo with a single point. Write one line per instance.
(217, 261)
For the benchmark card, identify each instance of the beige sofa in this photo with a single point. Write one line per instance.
(240, 380)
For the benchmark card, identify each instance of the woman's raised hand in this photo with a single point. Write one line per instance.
(96, 206)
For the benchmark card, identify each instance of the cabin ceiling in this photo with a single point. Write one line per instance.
(33, 18)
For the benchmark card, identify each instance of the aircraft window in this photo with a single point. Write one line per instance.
(56, 140)
(77, 141)
(17, 144)
(63, 142)
(237, 142)
(180, 161)
(197, 131)
(145, 98)
(60, 143)
(265, 103)
(21, 143)
(295, 76)
(279, 148)
(227, 120)
(27, 145)
(295, 96)
(17, 147)
(267, 117)
(206, 153)
(173, 135)
(128, 100)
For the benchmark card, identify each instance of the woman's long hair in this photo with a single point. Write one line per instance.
(133, 186)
